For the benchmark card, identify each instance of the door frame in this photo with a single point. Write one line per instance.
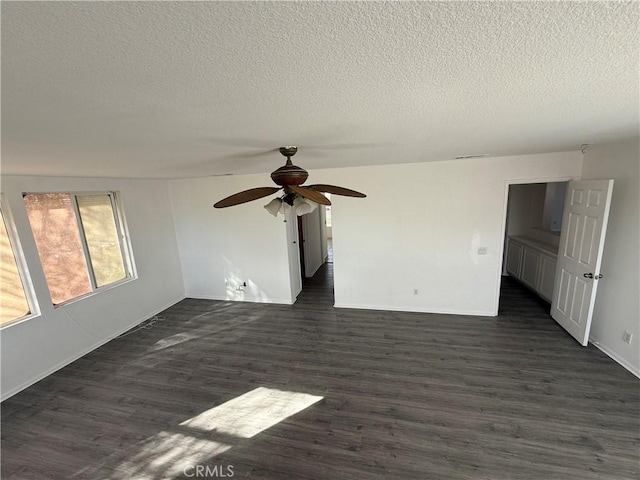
(297, 233)
(503, 226)
(302, 247)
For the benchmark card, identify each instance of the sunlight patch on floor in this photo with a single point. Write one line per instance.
(212, 432)
(223, 331)
(167, 455)
(249, 414)
(176, 339)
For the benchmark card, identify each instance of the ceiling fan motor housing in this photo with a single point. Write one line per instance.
(289, 174)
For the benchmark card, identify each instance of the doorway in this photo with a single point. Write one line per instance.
(532, 231)
(328, 221)
(313, 255)
(563, 272)
(312, 239)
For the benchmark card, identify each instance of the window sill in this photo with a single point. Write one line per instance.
(97, 291)
(19, 320)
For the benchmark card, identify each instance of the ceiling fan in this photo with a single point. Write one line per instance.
(290, 179)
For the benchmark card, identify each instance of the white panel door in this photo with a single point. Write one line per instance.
(291, 223)
(584, 224)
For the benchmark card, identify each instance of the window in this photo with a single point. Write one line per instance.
(327, 210)
(14, 303)
(80, 241)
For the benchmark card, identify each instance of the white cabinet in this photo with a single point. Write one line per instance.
(546, 276)
(530, 267)
(532, 263)
(514, 258)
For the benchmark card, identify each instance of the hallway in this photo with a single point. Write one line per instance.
(317, 291)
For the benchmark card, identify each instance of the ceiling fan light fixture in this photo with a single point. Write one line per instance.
(312, 205)
(274, 207)
(284, 208)
(304, 206)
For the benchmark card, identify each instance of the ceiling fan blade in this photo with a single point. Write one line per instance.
(246, 196)
(240, 142)
(344, 146)
(332, 189)
(310, 194)
(258, 153)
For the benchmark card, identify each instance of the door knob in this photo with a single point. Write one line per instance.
(590, 275)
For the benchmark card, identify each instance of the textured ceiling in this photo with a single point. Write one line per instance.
(173, 89)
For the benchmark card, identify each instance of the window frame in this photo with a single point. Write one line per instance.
(122, 233)
(21, 263)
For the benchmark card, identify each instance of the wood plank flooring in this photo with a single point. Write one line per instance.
(405, 396)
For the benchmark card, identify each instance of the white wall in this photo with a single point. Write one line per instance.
(617, 307)
(32, 349)
(220, 249)
(420, 227)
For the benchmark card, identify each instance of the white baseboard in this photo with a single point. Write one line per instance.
(84, 352)
(394, 308)
(247, 300)
(614, 356)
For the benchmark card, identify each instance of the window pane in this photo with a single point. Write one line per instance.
(13, 301)
(100, 232)
(328, 211)
(56, 234)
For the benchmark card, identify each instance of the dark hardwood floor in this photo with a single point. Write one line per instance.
(404, 396)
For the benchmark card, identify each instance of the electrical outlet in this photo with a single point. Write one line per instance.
(626, 337)
(482, 250)
(415, 291)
